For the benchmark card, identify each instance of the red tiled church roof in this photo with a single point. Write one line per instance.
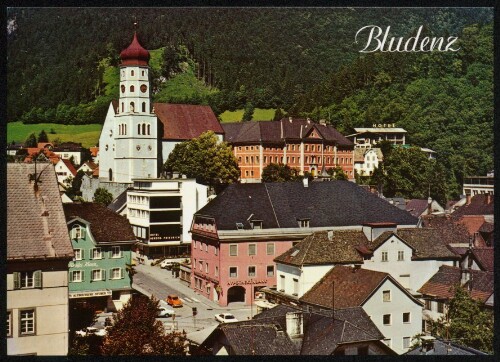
(134, 54)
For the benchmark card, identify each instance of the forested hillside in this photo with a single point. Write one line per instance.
(62, 67)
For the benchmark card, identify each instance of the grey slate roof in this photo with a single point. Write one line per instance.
(105, 224)
(119, 203)
(318, 249)
(36, 227)
(281, 204)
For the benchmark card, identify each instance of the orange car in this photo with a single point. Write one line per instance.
(174, 301)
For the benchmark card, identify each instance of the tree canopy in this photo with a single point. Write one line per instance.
(211, 162)
(136, 331)
(278, 172)
(103, 196)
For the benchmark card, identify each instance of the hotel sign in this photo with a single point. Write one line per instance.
(244, 282)
(97, 293)
(384, 125)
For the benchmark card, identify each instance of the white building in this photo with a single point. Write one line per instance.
(379, 132)
(38, 253)
(366, 160)
(65, 171)
(161, 212)
(393, 310)
(137, 135)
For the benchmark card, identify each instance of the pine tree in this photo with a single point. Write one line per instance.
(42, 136)
(30, 141)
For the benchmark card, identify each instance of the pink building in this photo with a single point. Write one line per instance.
(237, 236)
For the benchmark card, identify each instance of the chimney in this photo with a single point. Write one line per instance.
(487, 199)
(308, 120)
(467, 199)
(290, 119)
(427, 344)
(465, 276)
(294, 325)
(429, 205)
(305, 180)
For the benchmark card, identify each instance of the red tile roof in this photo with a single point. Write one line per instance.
(485, 258)
(481, 204)
(442, 284)
(417, 206)
(351, 286)
(94, 151)
(472, 222)
(186, 121)
(70, 166)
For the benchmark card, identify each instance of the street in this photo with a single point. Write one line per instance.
(152, 280)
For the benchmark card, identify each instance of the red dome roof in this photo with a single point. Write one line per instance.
(135, 54)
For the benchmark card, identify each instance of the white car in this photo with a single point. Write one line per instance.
(164, 311)
(166, 264)
(90, 331)
(225, 318)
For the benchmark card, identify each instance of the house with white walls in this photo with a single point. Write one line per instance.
(65, 171)
(393, 310)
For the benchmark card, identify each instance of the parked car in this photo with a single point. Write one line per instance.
(166, 264)
(165, 312)
(90, 331)
(225, 318)
(174, 301)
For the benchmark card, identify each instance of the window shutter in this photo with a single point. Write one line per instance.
(121, 273)
(17, 280)
(110, 253)
(70, 276)
(72, 233)
(82, 232)
(91, 256)
(103, 274)
(83, 275)
(38, 279)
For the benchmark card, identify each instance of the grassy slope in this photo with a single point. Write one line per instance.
(258, 115)
(87, 135)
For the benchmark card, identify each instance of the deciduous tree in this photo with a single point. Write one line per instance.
(103, 196)
(278, 172)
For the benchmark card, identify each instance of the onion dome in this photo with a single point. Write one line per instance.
(135, 54)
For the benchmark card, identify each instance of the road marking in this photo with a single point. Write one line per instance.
(187, 299)
(196, 300)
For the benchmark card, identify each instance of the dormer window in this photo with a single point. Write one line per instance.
(303, 223)
(256, 224)
(77, 232)
(239, 225)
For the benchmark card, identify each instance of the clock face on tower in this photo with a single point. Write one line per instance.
(144, 88)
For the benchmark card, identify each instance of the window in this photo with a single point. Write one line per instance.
(27, 322)
(270, 270)
(401, 255)
(96, 253)
(256, 224)
(252, 249)
(9, 323)
(132, 88)
(76, 276)
(138, 129)
(270, 248)
(233, 272)
(282, 283)
(200, 265)
(428, 304)
(387, 319)
(77, 232)
(216, 271)
(251, 271)
(116, 273)
(295, 287)
(406, 342)
(78, 254)
(206, 267)
(208, 289)
(233, 250)
(304, 223)
(116, 252)
(386, 294)
(216, 250)
(440, 307)
(406, 317)
(97, 274)
(385, 256)
(132, 73)
(31, 279)
(144, 108)
(206, 248)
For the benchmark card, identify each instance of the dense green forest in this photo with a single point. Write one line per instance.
(62, 67)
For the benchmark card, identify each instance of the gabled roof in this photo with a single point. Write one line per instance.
(119, 202)
(416, 206)
(105, 225)
(443, 347)
(94, 151)
(481, 204)
(318, 248)
(282, 204)
(427, 243)
(186, 121)
(485, 258)
(352, 287)
(36, 227)
(453, 232)
(70, 166)
(441, 285)
(472, 222)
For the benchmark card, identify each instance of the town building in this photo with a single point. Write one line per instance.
(410, 256)
(38, 253)
(365, 136)
(102, 241)
(88, 167)
(284, 330)
(420, 207)
(161, 213)
(65, 171)
(233, 252)
(68, 150)
(440, 288)
(367, 159)
(476, 185)
(299, 143)
(431, 346)
(393, 310)
(137, 135)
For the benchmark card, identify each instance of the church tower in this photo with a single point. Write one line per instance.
(131, 144)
